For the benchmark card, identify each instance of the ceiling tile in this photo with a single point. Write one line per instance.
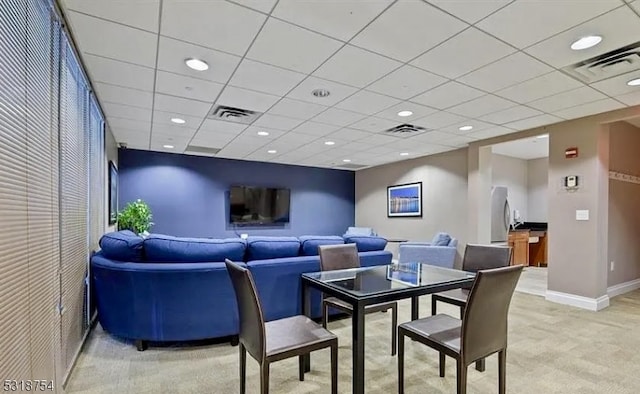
(356, 67)
(457, 141)
(536, 121)
(126, 112)
(277, 122)
(470, 11)
(259, 5)
(295, 139)
(165, 103)
(418, 110)
(510, 115)
(348, 134)
(381, 139)
(211, 140)
(463, 53)
(512, 69)
(291, 47)
(481, 106)
(490, 132)
(142, 14)
(209, 24)
(175, 131)
(374, 125)
(114, 72)
(213, 126)
(296, 109)
(265, 78)
(314, 128)
(126, 96)
(133, 126)
(439, 119)
(630, 98)
(338, 117)
(447, 95)
(173, 53)
(367, 102)
(395, 32)
(338, 91)
(246, 99)
(406, 82)
(592, 108)
(567, 99)
(618, 28)
(187, 87)
(252, 131)
(162, 117)
(431, 137)
(124, 43)
(477, 126)
(339, 19)
(618, 85)
(544, 18)
(539, 87)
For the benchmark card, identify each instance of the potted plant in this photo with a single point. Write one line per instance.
(136, 216)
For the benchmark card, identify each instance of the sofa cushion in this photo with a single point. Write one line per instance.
(261, 248)
(310, 243)
(366, 244)
(122, 245)
(165, 248)
(441, 239)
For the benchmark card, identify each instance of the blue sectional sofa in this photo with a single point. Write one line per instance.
(166, 288)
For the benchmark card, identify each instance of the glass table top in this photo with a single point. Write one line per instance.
(386, 278)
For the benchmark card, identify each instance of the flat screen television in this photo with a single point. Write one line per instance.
(253, 205)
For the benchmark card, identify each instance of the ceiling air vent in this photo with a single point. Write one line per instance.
(405, 129)
(608, 65)
(201, 150)
(232, 114)
(351, 166)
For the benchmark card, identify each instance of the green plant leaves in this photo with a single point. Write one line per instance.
(136, 216)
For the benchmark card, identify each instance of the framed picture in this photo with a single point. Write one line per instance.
(404, 200)
(113, 193)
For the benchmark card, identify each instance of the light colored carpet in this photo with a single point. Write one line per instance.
(552, 349)
(533, 281)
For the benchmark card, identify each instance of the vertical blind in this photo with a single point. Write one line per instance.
(52, 208)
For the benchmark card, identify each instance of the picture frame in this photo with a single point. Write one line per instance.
(404, 200)
(113, 193)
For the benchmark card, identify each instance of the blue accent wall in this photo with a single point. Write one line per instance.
(189, 195)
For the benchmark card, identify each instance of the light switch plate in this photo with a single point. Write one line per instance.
(582, 214)
(244, 236)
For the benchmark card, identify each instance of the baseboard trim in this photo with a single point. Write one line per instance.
(592, 304)
(622, 288)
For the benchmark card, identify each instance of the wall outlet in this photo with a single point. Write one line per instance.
(244, 236)
(612, 265)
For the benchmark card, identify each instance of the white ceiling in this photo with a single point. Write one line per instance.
(492, 64)
(525, 148)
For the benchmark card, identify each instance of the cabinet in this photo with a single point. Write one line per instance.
(519, 242)
(538, 250)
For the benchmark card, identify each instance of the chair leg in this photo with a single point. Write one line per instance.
(264, 378)
(433, 306)
(461, 372)
(480, 365)
(394, 329)
(334, 368)
(443, 363)
(243, 369)
(301, 368)
(400, 363)
(325, 315)
(502, 371)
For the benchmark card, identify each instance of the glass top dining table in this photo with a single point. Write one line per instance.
(372, 285)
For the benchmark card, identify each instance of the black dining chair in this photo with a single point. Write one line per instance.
(278, 339)
(337, 257)
(481, 332)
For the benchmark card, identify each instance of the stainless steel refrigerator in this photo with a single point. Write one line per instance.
(500, 214)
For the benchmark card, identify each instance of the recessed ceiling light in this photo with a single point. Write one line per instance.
(634, 82)
(404, 154)
(272, 151)
(543, 136)
(329, 143)
(168, 146)
(263, 133)
(197, 64)
(405, 113)
(586, 42)
(178, 120)
(347, 160)
(320, 92)
(465, 128)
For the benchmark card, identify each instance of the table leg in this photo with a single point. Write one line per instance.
(415, 305)
(306, 310)
(358, 349)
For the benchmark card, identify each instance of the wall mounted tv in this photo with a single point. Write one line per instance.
(253, 205)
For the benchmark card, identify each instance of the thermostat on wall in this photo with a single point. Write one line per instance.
(571, 181)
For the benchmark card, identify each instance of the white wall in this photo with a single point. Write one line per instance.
(537, 186)
(512, 173)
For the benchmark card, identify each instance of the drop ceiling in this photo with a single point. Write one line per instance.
(495, 65)
(524, 148)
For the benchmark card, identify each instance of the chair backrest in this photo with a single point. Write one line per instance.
(338, 257)
(484, 257)
(252, 332)
(484, 323)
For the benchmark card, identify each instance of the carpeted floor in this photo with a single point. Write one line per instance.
(552, 349)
